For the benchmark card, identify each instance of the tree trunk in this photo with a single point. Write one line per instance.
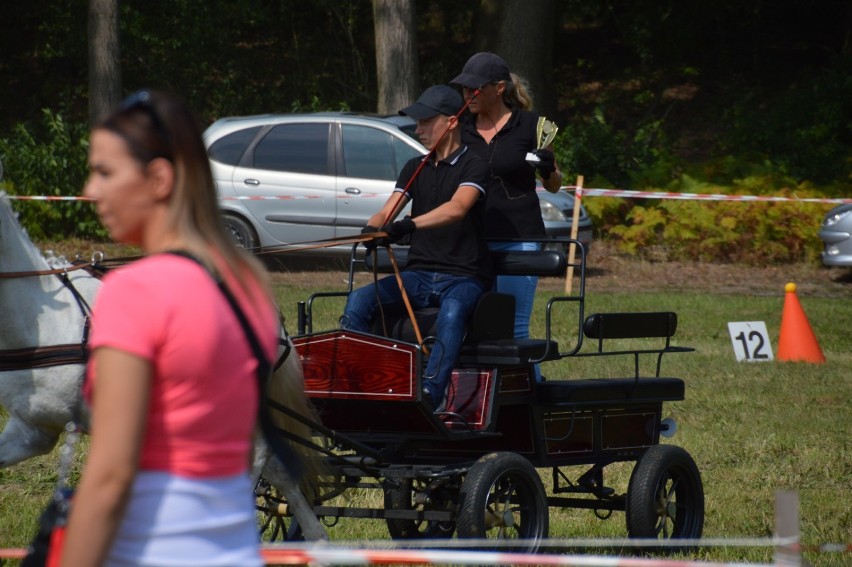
(396, 55)
(104, 58)
(522, 33)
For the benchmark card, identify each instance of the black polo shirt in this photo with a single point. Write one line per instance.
(512, 209)
(458, 248)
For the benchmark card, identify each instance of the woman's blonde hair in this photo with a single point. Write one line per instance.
(518, 93)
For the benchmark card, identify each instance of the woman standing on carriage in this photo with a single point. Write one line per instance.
(171, 378)
(501, 127)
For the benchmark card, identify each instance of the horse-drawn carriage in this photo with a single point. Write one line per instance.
(470, 471)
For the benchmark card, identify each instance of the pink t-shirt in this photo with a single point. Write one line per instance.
(168, 310)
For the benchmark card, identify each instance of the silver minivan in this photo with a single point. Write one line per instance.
(287, 179)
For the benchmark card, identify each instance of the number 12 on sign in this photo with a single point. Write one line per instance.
(751, 341)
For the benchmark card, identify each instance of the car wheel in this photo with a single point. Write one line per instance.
(241, 231)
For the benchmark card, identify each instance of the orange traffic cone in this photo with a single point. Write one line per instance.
(797, 341)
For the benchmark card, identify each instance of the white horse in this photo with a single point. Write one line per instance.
(41, 343)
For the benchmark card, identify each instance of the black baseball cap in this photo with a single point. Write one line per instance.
(481, 69)
(439, 99)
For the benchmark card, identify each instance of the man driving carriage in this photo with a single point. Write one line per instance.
(448, 266)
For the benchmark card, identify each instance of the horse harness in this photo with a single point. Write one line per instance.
(62, 354)
(77, 353)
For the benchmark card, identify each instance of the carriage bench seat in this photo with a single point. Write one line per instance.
(598, 390)
(507, 352)
(489, 339)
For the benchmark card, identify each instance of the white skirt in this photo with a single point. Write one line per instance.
(172, 521)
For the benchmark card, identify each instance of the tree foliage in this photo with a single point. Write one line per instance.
(46, 160)
(647, 93)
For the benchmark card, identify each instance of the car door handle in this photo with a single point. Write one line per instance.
(252, 182)
(352, 191)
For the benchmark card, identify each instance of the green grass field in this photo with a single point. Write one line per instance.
(753, 428)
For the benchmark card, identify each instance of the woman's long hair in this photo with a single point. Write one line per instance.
(518, 93)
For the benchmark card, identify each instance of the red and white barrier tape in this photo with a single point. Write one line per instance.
(585, 192)
(47, 198)
(629, 194)
(284, 555)
(335, 554)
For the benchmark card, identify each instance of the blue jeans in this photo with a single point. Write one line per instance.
(456, 296)
(523, 288)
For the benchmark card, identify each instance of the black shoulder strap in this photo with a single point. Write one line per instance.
(290, 460)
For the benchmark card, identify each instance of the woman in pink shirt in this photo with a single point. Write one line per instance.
(171, 379)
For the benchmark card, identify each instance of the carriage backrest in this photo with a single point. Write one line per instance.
(493, 318)
(505, 263)
(630, 325)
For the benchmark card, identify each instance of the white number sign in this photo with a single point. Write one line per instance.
(751, 341)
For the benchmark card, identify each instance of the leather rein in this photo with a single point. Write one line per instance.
(27, 358)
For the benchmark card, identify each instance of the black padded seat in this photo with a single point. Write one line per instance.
(489, 340)
(610, 390)
(507, 352)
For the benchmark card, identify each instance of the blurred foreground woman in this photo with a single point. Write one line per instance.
(171, 379)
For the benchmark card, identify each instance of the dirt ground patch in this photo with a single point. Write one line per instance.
(610, 271)
(606, 270)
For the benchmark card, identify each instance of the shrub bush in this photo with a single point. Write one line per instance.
(50, 160)
(756, 233)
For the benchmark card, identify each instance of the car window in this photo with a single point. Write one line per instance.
(403, 152)
(231, 148)
(368, 153)
(299, 148)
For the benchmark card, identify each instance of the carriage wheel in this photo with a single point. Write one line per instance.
(665, 497)
(420, 495)
(502, 498)
(273, 521)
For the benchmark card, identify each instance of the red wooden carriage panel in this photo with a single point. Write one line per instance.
(349, 365)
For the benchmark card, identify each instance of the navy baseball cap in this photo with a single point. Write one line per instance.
(481, 69)
(439, 99)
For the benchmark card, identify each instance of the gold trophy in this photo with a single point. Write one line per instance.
(545, 132)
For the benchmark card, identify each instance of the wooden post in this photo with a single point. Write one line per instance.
(575, 225)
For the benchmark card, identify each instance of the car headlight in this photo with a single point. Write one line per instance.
(551, 213)
(830, 219)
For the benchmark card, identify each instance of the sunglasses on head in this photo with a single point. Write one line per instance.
(142, 99)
